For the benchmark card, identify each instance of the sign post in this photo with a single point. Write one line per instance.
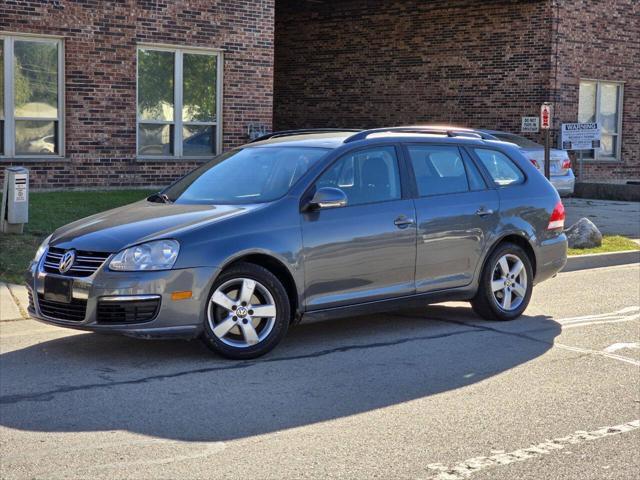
(545, 124)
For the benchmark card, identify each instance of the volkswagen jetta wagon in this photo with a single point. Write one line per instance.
(306, 224)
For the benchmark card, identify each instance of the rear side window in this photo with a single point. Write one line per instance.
(438, 169)
(500, 167)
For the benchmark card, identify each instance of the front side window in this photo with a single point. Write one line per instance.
(250, 175)
(178, 105)
(365, 176)
(30, 96)
(500, 167)
(602, 102)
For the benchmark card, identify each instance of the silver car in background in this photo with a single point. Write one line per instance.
(562, 176)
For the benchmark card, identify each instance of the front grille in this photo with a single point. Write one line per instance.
(127, 311)
(85, 264)
(74, 311)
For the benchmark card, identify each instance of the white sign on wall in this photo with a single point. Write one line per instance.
(580, 136)
(530, 125)
(20, 192)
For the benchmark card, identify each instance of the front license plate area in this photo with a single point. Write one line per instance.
(57, 289)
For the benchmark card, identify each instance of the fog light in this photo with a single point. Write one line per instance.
(182, 295)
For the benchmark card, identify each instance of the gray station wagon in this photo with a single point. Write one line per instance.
(309, 224)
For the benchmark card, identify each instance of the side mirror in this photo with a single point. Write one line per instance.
(328, 197)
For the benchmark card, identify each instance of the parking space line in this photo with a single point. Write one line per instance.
(599, 353)
(468, 467)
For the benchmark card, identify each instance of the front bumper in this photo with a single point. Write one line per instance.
(174, 318)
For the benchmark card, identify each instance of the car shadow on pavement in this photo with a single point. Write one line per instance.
(326, 370)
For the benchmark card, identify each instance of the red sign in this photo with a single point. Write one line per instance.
(545, 117)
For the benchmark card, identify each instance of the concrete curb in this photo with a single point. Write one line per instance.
(599, 260)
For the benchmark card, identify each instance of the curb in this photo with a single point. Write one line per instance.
(599, 260)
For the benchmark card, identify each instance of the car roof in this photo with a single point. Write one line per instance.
(336, 139)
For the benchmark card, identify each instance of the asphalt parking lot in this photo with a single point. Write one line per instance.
(435, 393)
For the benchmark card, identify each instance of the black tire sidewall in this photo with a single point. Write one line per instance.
(487, 277)
(271, 282)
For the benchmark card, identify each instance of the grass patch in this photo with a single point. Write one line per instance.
(610, 243)
(48, 211)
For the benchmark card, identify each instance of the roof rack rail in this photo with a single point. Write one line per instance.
(287, 133)
(435, 130)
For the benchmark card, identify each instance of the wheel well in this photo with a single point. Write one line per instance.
(279, 270)
(522, 243)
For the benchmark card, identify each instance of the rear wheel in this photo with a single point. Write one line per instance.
(247, 313)
(505, 285)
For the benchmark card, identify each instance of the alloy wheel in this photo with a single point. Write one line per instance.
(241, 312)
(509, 282)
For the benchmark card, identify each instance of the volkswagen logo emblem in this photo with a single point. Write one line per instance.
(66, 262)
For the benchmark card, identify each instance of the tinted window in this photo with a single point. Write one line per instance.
(250, 175)
(476, 182)
(438, 169)
(500, 167)
(365, 176)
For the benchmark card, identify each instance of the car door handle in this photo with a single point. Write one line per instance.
(403, 222)
(483, 212)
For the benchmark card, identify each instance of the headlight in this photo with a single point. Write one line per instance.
(158, 255)
(42, 248)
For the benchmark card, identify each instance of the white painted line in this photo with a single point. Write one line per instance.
(615, 320)
(599, 353)
(467, 468)
(622, 311)
(621, 346)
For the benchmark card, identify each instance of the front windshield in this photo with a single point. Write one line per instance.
(249, 175)
(522, 142)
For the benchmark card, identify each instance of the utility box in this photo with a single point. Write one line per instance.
(15, 200)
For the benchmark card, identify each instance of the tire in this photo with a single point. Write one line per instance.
(510, 302)
(233, 329)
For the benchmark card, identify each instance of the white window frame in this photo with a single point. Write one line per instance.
(8, 40)
(597, 156)
(177, 121)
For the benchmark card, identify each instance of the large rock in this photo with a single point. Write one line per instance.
(584, 234)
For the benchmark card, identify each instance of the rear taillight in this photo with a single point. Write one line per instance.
(535, 164)
(566, 164)
(556, 221)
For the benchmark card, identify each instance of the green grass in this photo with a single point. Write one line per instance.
(610, 243)
(48, 211)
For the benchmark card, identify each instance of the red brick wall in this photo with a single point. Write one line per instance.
(363, 63)
(599, 39)
(100, 39)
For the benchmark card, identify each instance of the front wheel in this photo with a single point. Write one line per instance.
(247, 313)
(505, 285)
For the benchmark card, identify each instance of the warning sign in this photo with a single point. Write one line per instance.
(580, 136)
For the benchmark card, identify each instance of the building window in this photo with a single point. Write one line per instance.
(30, 96)
(602, 102)
(179, 106)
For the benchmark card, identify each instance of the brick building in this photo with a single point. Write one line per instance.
(115, 93)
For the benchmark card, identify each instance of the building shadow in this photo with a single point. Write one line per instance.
(326, 370)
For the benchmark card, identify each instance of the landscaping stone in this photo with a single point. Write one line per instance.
(584, 234)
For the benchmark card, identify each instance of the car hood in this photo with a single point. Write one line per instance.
(142, 221)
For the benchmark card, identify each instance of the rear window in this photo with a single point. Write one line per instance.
(522, 142)
(502, 170)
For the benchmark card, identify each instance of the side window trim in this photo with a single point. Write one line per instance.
(306, 196)
(486, 177)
